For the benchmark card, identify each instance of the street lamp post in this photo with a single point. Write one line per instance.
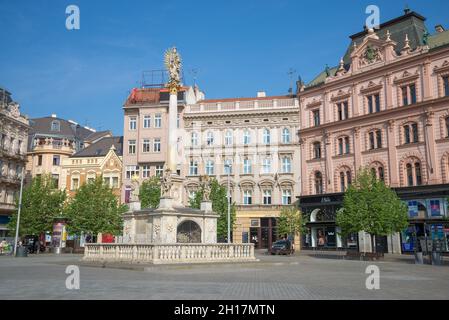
(228, 166)
(18, 212)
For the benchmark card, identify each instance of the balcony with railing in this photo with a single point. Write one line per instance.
(220, 106)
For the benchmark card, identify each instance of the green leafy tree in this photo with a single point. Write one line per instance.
(41, 203)
(290, 221)
(150, 192)
(94, 209)
(370, 206)
(218, 196)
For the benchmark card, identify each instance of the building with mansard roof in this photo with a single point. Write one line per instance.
(385, 106)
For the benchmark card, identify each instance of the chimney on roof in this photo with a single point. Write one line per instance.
(407, 10)
(261, 94)
(53, 115)
(439, 28)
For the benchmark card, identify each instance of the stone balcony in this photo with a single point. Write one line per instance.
(153, 253)
(243, 105)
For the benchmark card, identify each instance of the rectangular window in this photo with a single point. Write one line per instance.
(415, 132)
(55, 178)
(412, 89)
(339, 111)
(266, 165)
(246, 137)
(317, 150)
(132, 146)
(146, 121)
(267, 197)
(158, 120)
(247, 197)
(146, 145)
(379, 138)
(157, 145)
(345, 110)
(340, 146)
(145, 171)
(194, 139)
(114, 182)
(377, 100)
(404, 96)
(75, 183)
(347, 146)
(370, 104)
(286, 165)
(210, 168)
(371, 140)
(39, 160)
(406, 134)
(446, 86)
(227, 166)
(286, 197)
(56, 160)
(178, 121)
(159, 170)
(316, 117)
(193, 168)
(247, 166)
(131, 171)
(132, 123)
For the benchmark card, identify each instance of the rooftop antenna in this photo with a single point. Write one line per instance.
(290, 73)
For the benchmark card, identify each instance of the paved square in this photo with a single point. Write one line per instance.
(280, 277)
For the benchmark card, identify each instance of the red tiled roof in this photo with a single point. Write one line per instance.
(243, 99)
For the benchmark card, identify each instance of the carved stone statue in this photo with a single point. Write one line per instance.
(205, 185)
(166, 183)
(173, 65)
(135, 188)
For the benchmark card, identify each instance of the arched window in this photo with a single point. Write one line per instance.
(285, 135)
(381, 173)
(266, 136)
(413, 173)
(345, 179)
(409, 172)
(317, 150)
(318, 183)
(228, 138)
(188, 232)
(55, 125)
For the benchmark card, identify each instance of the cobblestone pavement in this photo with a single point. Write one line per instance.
(295, 277)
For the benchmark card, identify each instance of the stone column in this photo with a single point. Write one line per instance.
(172, 129)
(429, 138)
(357, 150)
(392, 156)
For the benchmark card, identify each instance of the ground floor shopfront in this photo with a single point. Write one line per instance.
(259, 225)
(428, 220)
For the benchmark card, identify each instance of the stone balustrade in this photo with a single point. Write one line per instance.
(242, 105)
(169, 253)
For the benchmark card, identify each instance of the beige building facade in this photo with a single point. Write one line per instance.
(14, 128)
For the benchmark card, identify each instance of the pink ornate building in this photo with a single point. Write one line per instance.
(386, 107)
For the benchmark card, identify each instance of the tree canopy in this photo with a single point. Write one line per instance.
(290, 221)
(218, 196)
(41, 203)
(94, 209)
(370, 206)
(150, 192)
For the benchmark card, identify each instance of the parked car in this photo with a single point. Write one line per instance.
(281, 247)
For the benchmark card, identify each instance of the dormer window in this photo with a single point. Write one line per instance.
(342, 110)
(55, 125)
(408, 94)
(373, 103)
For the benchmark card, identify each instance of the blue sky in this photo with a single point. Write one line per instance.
(238, 47)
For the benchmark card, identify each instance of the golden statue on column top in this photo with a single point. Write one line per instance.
(172, 61)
